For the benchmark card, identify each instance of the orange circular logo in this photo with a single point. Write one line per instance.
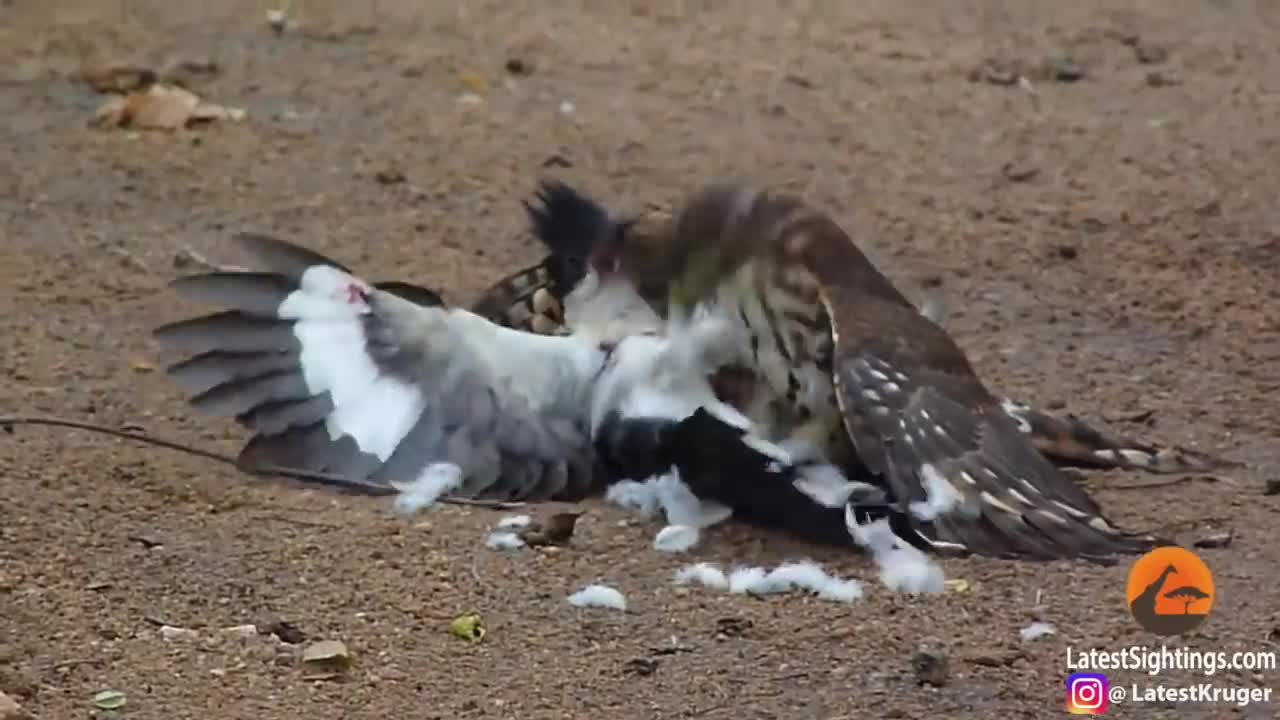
(1170, 591)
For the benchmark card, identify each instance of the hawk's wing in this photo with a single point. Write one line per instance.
(381, 386)
(952, 456)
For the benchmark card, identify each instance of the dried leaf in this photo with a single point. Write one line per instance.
(10, 709)
(956, 585)
(164, 107)
(160, 107)
(109, 700)
(469, 627)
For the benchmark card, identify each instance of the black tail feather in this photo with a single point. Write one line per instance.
(569, 224)
(717, 465)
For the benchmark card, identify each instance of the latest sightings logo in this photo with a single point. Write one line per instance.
(1088, 694)
(1170, 591)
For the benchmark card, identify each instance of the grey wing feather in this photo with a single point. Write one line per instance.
(281, 256)
(428, 392)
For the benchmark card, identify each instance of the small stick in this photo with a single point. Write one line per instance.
(363, 486)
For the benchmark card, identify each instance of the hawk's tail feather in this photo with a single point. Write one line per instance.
(1073, 442)
(569, 225)
(523, 300)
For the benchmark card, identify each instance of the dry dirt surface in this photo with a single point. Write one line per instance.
(1103, 230)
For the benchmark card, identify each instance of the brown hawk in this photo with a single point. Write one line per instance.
(538, 298)
(840, 362)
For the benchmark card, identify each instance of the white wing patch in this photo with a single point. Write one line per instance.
(375, 410)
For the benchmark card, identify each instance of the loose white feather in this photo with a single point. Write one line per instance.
(788, 577)
(744, 580)
(504, 540)
(513, 522)
(676, 539)
(638, 497)
(1036, 630)
(803, 575)
(599, 596)
(435, 480)
(682, 507)
(704, 574)
(903, 568)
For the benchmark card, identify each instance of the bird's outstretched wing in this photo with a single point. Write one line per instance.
(384, 386)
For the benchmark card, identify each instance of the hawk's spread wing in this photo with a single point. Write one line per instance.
(952, 457)
(382, 386)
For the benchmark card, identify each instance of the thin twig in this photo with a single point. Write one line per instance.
(298, 521)
(1169, 483)
(65, 664)
(363, 486)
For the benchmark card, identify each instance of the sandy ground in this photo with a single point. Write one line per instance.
(1106, 244)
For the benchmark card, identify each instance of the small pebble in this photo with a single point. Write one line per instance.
(930, 664)
(10, 709)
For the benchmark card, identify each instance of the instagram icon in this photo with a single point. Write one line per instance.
(1088, 694)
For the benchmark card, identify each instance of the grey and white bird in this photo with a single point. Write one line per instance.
(383, 387)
